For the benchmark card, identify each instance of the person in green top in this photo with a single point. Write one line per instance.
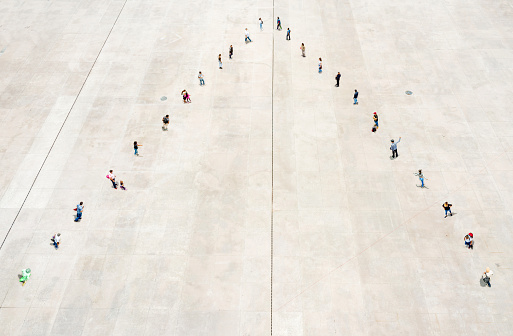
(25, 275)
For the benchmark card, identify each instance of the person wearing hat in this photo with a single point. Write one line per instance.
(25, 275)
(393, 148)
(375, 118)
(487, 275)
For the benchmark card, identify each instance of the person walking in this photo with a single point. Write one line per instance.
(220, 61)
(184, 96)
(230, 51)
(247, 39)
(56, 239)
(393, 148)
(447, 208)
(355, 97)
(320, 65)
(25, 275)
(469, 241)
(112, 178)
(375, 118)
(278, 23)
(136, 148)
(200, 76)
(165, 122)
(261, 24)
(288, 34)
(421, 178)
(487, 275)
(302, 49)
(337, 78)
(79, 209)
(121, 185)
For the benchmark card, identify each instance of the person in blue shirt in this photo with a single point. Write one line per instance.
(80, 209)
(355, 97)
(288, 34)
(278, 23)
(393, 148)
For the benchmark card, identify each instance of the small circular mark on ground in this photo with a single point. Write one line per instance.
(409, 93)
(163, 98)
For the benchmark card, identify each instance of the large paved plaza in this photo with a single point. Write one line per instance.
(269, 206)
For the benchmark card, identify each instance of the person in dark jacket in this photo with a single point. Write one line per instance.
(355, 97)
(337, 78)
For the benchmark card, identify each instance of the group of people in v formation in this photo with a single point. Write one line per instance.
(468, 239)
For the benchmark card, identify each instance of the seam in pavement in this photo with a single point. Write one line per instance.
(63, 123)
(272, 170)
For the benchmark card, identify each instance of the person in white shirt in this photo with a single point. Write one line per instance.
(56, 240)
(247, 36)
(487, 275)
(261, 23)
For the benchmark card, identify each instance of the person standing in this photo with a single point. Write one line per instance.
(220, 61)
(421, 178)
(184, 96)
(136, 148)
(320, 65)
(261, 24)
(25, 275)
(487, 275)
(278, 23)
(355, 97)
(393, 148)
(165, 122)
(56, 239)
(80, 209)
(200, 76)
(337, 78)
(375, 118)
(288, 34)
(447, 208)
(302, 49)
(112, 178)
(247, 39)
(230, 51)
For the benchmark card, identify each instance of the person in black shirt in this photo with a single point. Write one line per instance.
(447, 208)
(355, 97)
(337, 77)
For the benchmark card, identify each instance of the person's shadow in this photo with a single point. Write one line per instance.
(483, 283)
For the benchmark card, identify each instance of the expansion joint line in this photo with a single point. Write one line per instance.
(272, 171)
(63, 123)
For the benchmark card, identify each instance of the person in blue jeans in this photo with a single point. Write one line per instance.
(355, 97)
(200, 76)
(421, 177)
(447, 208)
(261, 23)
(375, 118)
(80, 209)
(136, 148)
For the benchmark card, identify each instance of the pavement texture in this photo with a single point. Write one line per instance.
(269, 206)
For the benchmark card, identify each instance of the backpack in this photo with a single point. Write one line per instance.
(374, 128)
(166, 120)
